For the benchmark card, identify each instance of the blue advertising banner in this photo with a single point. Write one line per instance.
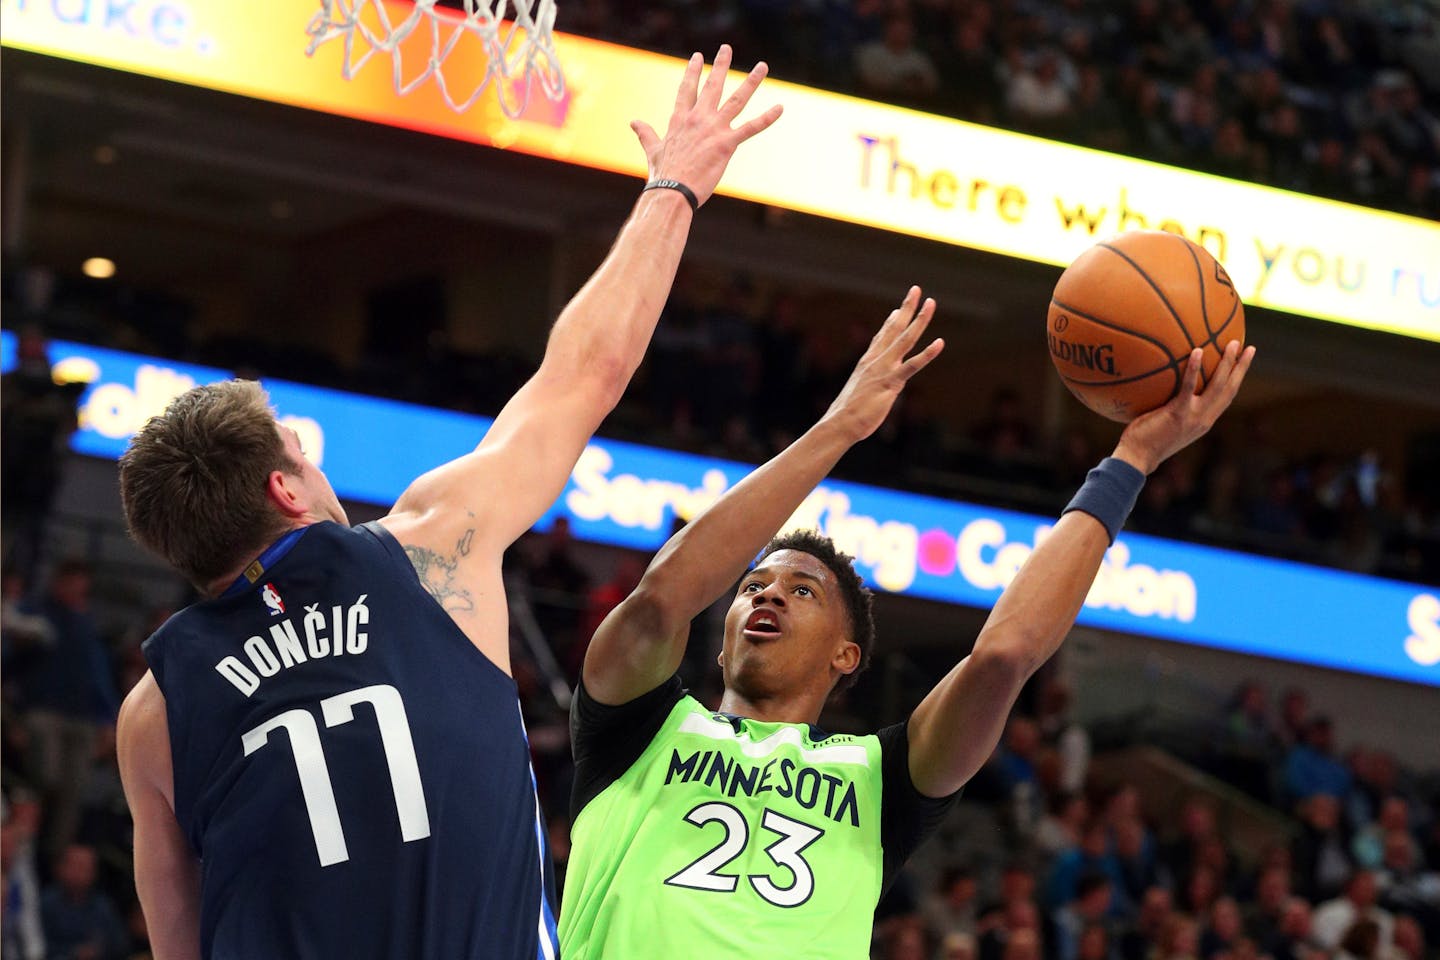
(630, 495)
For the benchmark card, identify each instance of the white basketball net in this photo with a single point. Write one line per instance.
(515, 54)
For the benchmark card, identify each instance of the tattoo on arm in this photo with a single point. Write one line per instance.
(437, 574)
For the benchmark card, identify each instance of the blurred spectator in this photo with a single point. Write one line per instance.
(1294, 939)
(1016, 761)
(558, 587)
(1023, 945)
(22, 934)
(1093, 856)
(953, 907)
(1196, 827)
(1368, 843)
(1089, 910)
(1070, 739)
(601, 600)
(1200, 889)
(1036, 96)
(904, 940)
(1059, 830)
(1147, 127)
(1294, 716)
(37, 416)
(957, 946)
(81, 921)
(1018, 919)
(1248, 722)
(1142, 938)
(1223, 929)
(1405, 885)
(1360, 942)
(1017, 885)
(1265, 915)
(1322, 863)
(968, 73)
(1334, 918)
(71, 701)
(1179, 940)
(1409, 939)
(1134, 852)
(24, 636)
(1311, 766)
(893, 68)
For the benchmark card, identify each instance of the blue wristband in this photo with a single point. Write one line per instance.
(1109, 494)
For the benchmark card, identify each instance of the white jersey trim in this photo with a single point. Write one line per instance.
(705, 726)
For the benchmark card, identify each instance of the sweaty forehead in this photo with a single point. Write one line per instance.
(796, 563)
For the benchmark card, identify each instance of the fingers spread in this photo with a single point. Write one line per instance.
(762, 122)
(737, 100)
(689, 83)
(648, 139)
(1230, 374)
(922, 359)
(715, 82)
(896, 322)
(913, 332)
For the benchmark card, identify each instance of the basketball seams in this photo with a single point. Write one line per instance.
(1153, 286)
(1116, 327)
(1214, 339)
(1172, 366)
(1199, 286)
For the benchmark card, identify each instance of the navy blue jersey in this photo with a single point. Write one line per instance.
(351, 771)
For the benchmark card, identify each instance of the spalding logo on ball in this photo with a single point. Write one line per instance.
(1126, 314)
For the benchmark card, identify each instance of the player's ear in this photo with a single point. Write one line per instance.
(847, 657)
(286, 494)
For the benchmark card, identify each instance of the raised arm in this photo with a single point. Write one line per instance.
(955, 728)
(599, 339)
(641, 642)
(167, 876)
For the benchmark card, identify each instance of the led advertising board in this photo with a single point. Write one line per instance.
(628, 495)
(830, 155)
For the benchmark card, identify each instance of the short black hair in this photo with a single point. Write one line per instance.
(858, 598)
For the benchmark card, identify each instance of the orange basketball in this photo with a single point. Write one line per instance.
(1126, 314)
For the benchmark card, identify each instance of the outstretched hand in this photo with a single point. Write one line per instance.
(699, 141)
(1155, 436)
(881, 374)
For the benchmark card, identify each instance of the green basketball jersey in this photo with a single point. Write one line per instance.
(727, 837)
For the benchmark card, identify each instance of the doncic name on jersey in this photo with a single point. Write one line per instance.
(337, 634)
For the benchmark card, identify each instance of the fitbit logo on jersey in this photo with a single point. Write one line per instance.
(334, 636)
(1089, 356)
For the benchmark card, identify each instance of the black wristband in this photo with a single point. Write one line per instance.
(1109, 494)
(678, 187)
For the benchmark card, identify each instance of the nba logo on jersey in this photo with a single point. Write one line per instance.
(271, 596)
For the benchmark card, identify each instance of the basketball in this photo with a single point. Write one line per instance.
(1126, 314)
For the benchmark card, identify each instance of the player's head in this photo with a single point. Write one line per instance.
(215, 479)
(800, 620)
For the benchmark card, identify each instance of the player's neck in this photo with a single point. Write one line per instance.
(788, 708)
(222, 583)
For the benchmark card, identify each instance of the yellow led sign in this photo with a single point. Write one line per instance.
(830, 155)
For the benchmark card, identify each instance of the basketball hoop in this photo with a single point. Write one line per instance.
(516, 52)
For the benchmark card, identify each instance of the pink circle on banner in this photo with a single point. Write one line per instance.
(936, 553)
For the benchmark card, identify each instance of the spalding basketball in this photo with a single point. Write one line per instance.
(1126, 314)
